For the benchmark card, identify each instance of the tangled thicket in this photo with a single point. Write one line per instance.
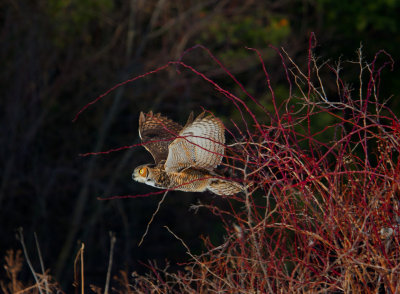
(321, 207)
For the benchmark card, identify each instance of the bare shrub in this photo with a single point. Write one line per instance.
(321, 207)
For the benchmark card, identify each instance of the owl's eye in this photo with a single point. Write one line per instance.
(143, 172)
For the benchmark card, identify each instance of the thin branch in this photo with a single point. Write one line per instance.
(110, 261)
(21, 239)
(41, 263)
(152, 218)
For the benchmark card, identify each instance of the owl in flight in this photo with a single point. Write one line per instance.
(185, 157)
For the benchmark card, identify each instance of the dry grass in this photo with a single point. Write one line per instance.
(13, 266)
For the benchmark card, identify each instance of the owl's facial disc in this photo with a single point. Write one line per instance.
(142, 174)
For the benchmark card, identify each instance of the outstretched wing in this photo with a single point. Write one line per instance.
(200, 145)
(161, 130)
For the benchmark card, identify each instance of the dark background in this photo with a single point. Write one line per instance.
(56, 56)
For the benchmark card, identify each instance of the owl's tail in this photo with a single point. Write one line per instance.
(224, 187)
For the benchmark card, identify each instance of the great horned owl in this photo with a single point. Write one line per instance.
(185, 157)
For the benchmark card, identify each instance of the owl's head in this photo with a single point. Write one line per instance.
(144, 174)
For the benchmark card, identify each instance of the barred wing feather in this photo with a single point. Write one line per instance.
(199, 145)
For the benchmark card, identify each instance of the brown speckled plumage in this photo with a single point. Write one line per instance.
(185, 157)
